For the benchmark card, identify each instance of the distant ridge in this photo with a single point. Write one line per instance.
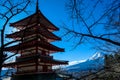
(93, 63)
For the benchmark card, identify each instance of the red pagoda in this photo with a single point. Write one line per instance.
(35, 33)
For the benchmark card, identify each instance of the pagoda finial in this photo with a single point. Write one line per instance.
(37, 6)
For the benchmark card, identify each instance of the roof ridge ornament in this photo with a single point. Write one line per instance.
(37, 6)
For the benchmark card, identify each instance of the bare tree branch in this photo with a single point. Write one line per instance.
(93, 36)
(11, 10)
(93, 23)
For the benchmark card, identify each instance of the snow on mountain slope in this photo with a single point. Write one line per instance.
(76, 62)
(96, 56)
(93, 63)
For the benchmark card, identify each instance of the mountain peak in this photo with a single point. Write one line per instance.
(96, 56)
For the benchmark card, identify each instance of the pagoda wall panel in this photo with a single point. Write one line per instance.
(26, 69)
(40, 68)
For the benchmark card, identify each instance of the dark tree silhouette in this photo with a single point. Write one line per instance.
(94, 21)
(9, 9)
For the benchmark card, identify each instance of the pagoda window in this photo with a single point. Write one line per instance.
(40, 68)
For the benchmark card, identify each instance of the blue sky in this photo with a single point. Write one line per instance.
(55, 11)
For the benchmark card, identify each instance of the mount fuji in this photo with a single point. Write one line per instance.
(94, 63)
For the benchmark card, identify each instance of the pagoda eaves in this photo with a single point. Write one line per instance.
(32, 59)
(30, 31)
(33, 43)
(38, 18)
(35, 35)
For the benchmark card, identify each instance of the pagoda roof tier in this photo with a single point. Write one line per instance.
(45, 59)
(31, 59)
(38, 18)
(33, 30)
(33, 43)
(53, 62)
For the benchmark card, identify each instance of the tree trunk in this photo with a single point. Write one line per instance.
(1, 52)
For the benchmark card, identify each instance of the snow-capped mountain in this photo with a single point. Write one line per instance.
(93, 63)
(96, 56)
